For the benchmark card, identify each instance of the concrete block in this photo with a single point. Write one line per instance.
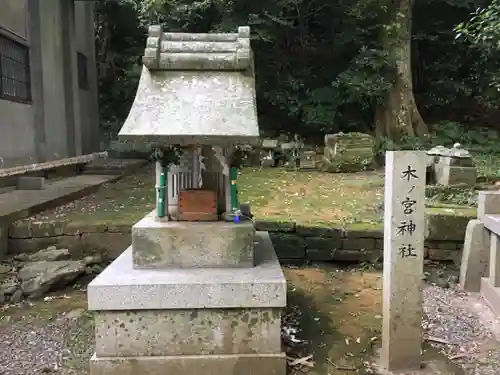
(488, 203)
(121, 287)
(30, 183)
(161, 244)
(475, 256)
(188, 332)
(235, 364)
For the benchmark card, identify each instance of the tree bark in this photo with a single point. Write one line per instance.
(398, 116)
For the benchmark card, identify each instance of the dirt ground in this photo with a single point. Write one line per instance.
(335, 311)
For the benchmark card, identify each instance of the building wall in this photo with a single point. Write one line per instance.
(17, 142)
(13, 17)
(62, 119)
(85, 44)
(55, 125)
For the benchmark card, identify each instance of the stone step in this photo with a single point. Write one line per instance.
(122, 287)
(20, 204)
(236, 364)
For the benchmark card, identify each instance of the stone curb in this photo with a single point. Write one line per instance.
(294, 243)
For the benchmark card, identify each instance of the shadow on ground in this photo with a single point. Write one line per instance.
(337, 313)
(339, 317)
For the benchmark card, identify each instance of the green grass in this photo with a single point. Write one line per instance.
(488, 166)
(312, 197)
(276, 194)
(273, 193)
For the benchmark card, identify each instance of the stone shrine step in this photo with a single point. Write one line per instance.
(121, 287)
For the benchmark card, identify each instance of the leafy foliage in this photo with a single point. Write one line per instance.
(320, 65)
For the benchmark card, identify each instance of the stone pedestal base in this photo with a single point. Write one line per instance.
(218, 321)
(160, 244)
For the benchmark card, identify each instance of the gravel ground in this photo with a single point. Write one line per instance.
(462, 327)
(31, 349)
(459, 325)
(38, 343)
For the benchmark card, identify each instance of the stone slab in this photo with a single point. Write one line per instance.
(30, 183)
(492, 223)
(161, 244)
(188, 332)
(121, 287)
(250, 364)
(488, 203)
(494, 262)
(115, 165)
(475, 256)
(491, 295)
(20, 204)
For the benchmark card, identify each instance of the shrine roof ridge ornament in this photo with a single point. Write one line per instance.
(207, 51)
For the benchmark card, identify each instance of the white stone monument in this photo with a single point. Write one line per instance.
(403, 260)
(199, 291)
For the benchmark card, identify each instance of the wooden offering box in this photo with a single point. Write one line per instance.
(198, 205)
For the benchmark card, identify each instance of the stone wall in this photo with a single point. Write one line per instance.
(294, 243)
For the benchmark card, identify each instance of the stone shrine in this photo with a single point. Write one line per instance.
(348, 152)
(199, 291)
(452, 166)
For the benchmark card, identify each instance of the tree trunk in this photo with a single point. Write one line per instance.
(398, 115)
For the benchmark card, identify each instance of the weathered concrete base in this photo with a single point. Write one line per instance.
(249, 364)
(475, 256)
(160, 244)
(491, 295)
(190, 321)
(188, 332)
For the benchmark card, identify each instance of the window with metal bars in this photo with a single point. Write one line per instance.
(83, 80)
(15, 82)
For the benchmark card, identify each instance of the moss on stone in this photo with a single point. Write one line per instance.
(452, 210)
(364, 226)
